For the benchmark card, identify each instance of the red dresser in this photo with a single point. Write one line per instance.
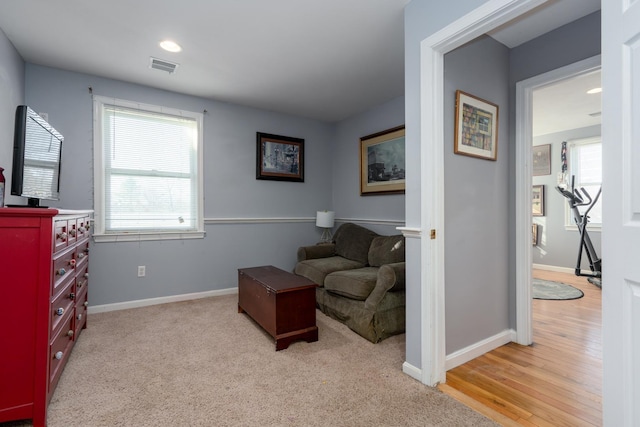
(44, 259)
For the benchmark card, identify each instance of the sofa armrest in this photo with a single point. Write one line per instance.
(391, 277)
(316, 251)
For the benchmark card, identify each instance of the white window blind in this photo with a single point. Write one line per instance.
(150, 169)
(585, 163)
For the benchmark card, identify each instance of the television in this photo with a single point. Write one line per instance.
(37, 153)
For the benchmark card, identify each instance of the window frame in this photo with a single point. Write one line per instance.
(100, 234)
(568, 215)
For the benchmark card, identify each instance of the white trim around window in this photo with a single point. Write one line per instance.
(186, 226)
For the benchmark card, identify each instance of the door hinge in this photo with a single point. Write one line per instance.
(432, 234)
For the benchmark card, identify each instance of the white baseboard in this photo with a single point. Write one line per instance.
(412, 371)
(558, 269)
(160, 300)
(464, 355)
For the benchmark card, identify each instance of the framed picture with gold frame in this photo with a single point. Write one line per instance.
(382, 162)
(476, 131)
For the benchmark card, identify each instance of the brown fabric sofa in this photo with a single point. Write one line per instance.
(361, 278)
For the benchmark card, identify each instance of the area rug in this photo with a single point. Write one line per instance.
(546, 289)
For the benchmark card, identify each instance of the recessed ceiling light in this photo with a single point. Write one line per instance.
(594, 90)
(170, 46)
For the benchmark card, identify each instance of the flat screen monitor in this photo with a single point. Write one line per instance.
(37, 152)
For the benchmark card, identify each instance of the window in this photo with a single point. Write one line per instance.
(585, 163)
(148, 171)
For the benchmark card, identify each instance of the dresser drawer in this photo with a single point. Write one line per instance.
(59, 350)
(82, 278)
(62, 305)
(64, 265)
(60, 234)
(83, 227)
(82, 253)
(82, 305)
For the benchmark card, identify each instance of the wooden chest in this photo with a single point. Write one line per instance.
(283, 303)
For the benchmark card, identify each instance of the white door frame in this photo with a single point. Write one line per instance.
(524, 142)
(485, 18)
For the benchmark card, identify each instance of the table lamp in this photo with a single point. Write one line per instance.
(324, 219)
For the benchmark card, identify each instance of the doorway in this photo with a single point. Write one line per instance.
(524, 181)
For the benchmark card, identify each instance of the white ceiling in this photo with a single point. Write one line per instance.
(567, 105)
(325, 60)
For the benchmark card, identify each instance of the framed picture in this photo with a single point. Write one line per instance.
(534, 234)
(279, 158)
(541, 164)
(382, 162)
(537, 200)
(476, 132)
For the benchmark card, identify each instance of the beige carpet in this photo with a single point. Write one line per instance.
(200, 363)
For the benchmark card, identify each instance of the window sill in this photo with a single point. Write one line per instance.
(142, 237)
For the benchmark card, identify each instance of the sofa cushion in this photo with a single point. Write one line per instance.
(355, 284)
(317, 269)
(353, 241)
(386, 250)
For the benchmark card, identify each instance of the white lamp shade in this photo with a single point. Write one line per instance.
(325, 219)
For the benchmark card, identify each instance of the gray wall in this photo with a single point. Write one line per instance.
(347, 201)
(231, 190)
(245, 218)
(421, 19)
(566, 45)
(557, 246)
(11, 95)
(476, 203)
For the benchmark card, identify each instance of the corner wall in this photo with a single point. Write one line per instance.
(11, 95)
(476, 202)
(248, 222)
(382, 213)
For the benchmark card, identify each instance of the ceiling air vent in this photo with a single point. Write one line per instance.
(162, 65)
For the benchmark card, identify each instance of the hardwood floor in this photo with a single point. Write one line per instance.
(555, 382)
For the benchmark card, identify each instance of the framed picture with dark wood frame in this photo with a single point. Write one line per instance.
(476, 131)
(382, 162)
(537, 200)
(279, 158)
(541, 160)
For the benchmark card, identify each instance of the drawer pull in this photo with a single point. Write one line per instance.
(70, 333)
(79, 285)
(86, 275)
(59, 355)
(79, 316)
(86, 304)
(72, 232)
(72, 262)
(61, 272)
(81, 255)
(59, 311)
(62, 236)
(72, 296)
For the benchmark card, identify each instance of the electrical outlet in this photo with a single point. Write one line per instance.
(142, 270)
